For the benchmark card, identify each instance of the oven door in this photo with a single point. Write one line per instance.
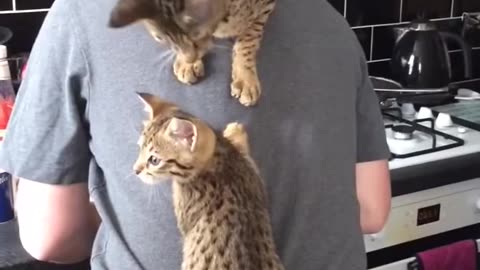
(424, 220)
(400, 256)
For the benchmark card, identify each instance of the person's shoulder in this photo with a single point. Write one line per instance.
(83, 12)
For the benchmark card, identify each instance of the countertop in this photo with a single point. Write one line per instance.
(14, 257)
(435, 174)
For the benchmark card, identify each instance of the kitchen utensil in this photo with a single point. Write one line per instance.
(467, 94)
(390, 91)
(420, 59)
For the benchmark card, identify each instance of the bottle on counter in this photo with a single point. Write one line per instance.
(7, 211)
(7, 99)
(7, 92)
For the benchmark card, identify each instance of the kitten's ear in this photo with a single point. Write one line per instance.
(183, 131)
(129, 11)
(154, 105)
(199, 11)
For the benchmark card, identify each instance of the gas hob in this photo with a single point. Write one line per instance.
(421, 137)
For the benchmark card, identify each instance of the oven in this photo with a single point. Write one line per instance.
(435, 169)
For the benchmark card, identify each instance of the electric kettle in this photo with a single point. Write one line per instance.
(420, 59)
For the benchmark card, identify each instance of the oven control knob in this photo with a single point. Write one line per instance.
(462, 130)
(443, 120)
(425, 113)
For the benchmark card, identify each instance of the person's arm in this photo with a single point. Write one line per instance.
(372, 171)
(57, 223)
(373, 192)
(47, 142)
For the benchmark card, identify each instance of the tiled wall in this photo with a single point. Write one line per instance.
(24, 17)
(372, 20)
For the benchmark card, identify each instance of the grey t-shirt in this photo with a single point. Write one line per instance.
(77, 119)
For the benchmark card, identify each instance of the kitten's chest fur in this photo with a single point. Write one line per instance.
(240, 16)
(223, 218)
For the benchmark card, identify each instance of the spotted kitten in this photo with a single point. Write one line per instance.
(189, 27)
(219, 197)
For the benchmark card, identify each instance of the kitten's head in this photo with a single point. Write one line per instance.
(182, 21)
(173, 144)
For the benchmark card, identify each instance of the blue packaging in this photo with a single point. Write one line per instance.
(6, 198)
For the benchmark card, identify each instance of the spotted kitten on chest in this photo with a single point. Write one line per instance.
(189, 27)
(219, 197)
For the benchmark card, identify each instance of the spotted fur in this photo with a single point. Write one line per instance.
(219, 197)
(189, 26)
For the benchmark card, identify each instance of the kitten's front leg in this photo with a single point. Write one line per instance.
(237, 135)
(245, 83)
(187, 68)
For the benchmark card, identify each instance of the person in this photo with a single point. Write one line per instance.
(316, 133)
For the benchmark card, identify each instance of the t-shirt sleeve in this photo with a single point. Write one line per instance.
(371, 140)
(47, 136)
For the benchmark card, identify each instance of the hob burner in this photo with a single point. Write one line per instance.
(403, 132)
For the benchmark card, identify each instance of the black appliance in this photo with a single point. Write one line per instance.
(420, 59)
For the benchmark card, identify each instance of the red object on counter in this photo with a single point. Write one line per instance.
(6, 107)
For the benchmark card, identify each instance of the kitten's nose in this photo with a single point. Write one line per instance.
(137, 169)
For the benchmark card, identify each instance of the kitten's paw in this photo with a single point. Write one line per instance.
(233, 130)
(245, 87)
(237, 135)
(188, 73)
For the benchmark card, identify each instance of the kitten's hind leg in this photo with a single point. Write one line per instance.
(237, 135)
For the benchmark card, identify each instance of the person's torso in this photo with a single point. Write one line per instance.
(302, 135)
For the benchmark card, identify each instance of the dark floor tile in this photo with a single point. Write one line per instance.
(33, 4)
(380, 69)
(338, 5)
(413, 9)
(364, 37)
(25, 27)
(461, 6)
(6, 5)
(458, 65)
(369, 12)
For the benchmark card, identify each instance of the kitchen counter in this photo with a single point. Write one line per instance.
(14, 257)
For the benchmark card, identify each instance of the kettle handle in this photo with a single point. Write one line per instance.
(466, 50)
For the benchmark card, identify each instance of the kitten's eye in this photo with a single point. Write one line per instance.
(154, 160)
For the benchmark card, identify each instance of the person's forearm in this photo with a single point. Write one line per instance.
(371, 222)
(57, 223)
(374, 195)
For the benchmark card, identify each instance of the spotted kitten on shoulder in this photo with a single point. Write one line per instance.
(219, 197)
(189, 27)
